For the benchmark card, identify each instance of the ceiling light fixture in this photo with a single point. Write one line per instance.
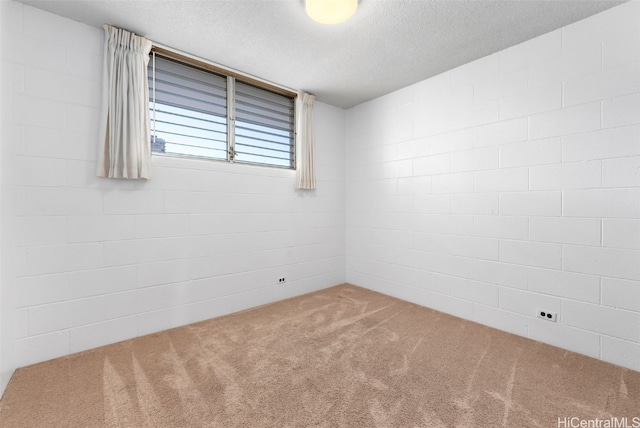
(330, 11)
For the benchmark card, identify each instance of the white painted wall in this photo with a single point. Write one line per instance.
(7, 169)
(99, 261)
(511, 184)
(3, 89)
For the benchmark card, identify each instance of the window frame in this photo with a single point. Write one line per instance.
(232, 76)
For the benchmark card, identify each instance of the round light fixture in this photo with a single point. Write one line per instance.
(330, 11)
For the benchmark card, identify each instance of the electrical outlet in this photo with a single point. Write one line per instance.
(546, 315)
(281, 280)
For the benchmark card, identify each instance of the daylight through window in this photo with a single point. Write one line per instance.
(199, 113)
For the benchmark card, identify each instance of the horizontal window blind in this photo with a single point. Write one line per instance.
(199, 112)
(188, 110)
(264, 124)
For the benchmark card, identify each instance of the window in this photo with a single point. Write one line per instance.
(198, 112)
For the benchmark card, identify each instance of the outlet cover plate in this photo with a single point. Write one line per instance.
(546, 315)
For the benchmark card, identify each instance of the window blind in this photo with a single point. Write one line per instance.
(196, 111)
(264, 124)
(188, 110)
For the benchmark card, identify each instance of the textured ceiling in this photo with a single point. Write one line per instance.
(387, 45)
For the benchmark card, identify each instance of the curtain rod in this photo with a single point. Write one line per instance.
(212, 66)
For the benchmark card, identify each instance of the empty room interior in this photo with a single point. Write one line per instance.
(248, 214)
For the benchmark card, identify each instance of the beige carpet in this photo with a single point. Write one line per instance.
(341, 357)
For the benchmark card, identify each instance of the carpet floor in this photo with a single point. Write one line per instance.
(340, 357)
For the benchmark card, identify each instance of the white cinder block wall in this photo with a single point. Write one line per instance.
(511, 184)
(4, 88)
(96, 261)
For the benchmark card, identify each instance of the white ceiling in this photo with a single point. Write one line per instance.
(387, 45)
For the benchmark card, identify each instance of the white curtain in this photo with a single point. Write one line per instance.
(125, 150)
(305, 170)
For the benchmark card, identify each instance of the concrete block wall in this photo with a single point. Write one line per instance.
(95, 261)
(510, 184)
